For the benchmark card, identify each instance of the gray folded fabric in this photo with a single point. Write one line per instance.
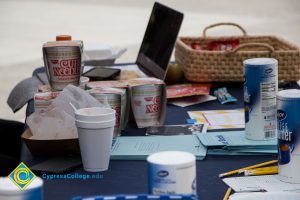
(43, 78)
(23, 92)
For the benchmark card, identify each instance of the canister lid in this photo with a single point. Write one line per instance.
(63, 37)
(173, 158)
(7, 187)
(260, 62)
(290, 94)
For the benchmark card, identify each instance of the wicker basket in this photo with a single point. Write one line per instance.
(211, 66)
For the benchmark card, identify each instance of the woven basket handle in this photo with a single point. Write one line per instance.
(267, 46)
(224, 24)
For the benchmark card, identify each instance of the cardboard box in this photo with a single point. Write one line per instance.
(50, 147)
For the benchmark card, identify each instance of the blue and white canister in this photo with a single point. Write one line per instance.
(288, 118)
(172, 172)
(260, 88)
(9, 191)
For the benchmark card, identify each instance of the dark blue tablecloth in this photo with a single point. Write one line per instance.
(130, 177)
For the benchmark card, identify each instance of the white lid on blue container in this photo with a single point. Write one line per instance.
(172, 158)
(7, 187)
(290, 94)
(260, 62)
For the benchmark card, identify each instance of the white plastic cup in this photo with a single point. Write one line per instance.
(95, 114)
(9, 191)
(95, 140)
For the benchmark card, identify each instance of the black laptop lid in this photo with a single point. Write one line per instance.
(159, 40)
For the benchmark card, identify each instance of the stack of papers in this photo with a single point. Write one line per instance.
(139, 147)
(235, 143)
(199, 144)
(265, 196)
(269, 183)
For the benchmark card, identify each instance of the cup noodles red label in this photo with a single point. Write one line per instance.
(153, 105)
(114, 98)
(63, 63)
(42, 100)
(119, 84)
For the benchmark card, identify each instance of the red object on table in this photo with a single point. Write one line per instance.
(184, 90)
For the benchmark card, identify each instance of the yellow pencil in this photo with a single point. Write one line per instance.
(246, 168)
(262, 172)
(226, 196)
(263, 168)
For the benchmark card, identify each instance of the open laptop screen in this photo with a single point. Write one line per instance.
(159, 40)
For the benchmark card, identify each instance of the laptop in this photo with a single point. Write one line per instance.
(159, 40)
(157, 45)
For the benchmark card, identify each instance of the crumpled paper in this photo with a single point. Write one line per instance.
(58, 121)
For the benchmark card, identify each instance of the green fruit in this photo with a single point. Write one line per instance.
(174, 74)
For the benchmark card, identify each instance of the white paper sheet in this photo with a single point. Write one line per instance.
(270, 183)
(265, 196)
(220, 119)
(189, 101)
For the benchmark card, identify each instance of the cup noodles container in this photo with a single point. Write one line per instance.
(44, 88)
(116, 99)
(148, 101)
(121, 84)
(260, 88)
(288, 123)
(172, 172)
(62, 61)
(83, 81)
(42, 100)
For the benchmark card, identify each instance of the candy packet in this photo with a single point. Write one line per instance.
(223, 95)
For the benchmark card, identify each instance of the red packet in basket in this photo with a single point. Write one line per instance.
(223, 45)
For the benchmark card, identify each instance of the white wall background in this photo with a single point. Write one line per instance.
(26, 25)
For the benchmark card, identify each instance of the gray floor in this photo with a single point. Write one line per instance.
(26, 25)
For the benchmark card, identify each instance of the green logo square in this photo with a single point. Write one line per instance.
(22, 176)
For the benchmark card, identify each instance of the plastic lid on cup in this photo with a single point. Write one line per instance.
(95, 114)
(63, 37)
(95, 125)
